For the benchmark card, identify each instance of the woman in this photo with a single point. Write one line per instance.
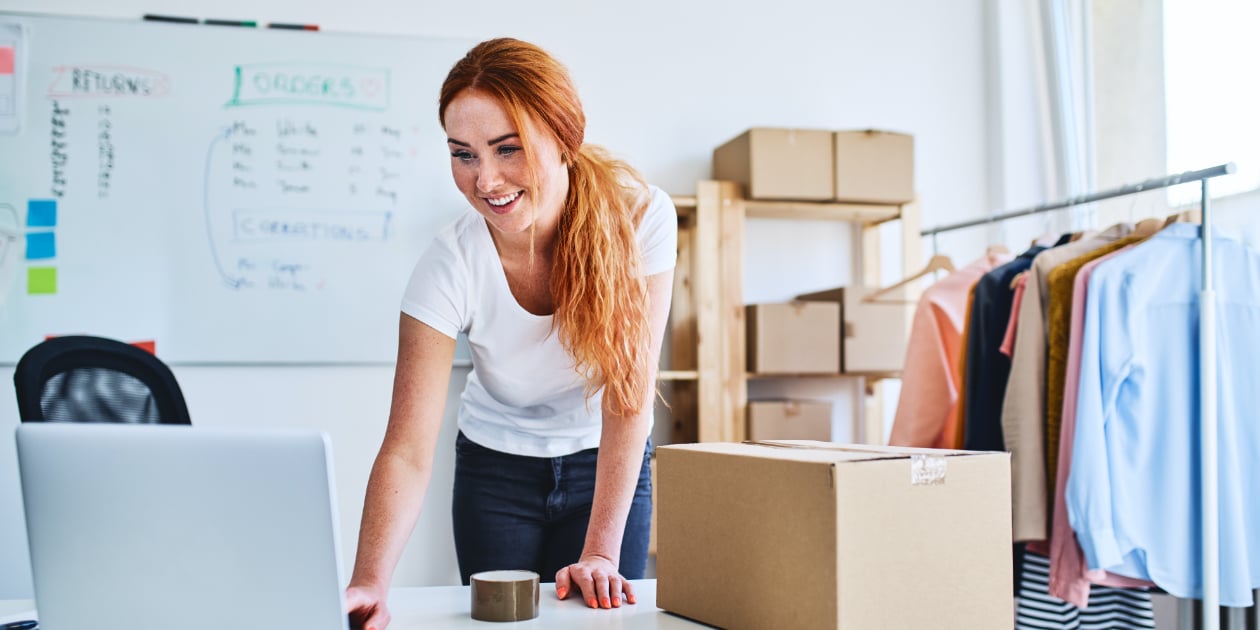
(561, 278)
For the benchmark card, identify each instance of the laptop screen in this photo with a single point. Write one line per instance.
(160, 526)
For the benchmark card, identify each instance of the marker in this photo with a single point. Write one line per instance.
(245, 23)
(160, 18)
(20, 625)
(294, 27)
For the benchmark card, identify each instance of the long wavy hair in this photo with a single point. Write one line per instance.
(597, 284)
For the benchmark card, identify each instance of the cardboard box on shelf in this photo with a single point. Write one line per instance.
(793, 338)
(782, 164)
(874, 167)
(874, 334)
(807, 535)
(789, 420)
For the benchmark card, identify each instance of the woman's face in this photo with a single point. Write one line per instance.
(488, 163)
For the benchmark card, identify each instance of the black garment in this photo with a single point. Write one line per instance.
(987, 368)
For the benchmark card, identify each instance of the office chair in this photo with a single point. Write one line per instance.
(92, 379)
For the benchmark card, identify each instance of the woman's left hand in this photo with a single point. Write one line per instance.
(596, 580)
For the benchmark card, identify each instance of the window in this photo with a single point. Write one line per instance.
(1212, 92)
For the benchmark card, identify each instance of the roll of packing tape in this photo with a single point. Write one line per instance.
(504, 595)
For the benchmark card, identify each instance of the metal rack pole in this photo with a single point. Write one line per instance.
(1150, 184)
(1208, 429)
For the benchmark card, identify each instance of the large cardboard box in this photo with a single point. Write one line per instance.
(874, 334)
(874, 166)
(789, 420)
(810, 535)
(775, 163)
(793, 338)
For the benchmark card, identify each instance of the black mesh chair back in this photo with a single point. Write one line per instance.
(92, 379)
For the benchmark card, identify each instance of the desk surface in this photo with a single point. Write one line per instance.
(448, 607)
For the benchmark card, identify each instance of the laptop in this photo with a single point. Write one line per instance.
(155, 527)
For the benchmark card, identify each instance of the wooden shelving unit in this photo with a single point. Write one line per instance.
(707, 359)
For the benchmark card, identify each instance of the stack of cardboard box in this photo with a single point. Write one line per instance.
(833, 331)
(862, 166)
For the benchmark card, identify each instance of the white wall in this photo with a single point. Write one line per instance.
(663, 83)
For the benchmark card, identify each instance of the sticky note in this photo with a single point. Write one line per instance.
(41, 213)
(6, 60)
(41, 280)
(40, 245)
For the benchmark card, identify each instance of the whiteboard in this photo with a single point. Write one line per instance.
(236, 195)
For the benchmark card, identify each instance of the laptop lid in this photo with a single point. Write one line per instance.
(154, 527)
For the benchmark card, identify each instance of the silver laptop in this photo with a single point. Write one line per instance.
(152, 527)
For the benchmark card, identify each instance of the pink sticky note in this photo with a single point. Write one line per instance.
(6, 60)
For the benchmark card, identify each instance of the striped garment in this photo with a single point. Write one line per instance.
(1109, 608)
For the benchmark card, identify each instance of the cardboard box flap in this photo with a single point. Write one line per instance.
(873, 451)
(811, 451)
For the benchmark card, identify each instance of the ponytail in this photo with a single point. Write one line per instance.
(600, 294)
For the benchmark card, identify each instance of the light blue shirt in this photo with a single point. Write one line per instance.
(1134, 495)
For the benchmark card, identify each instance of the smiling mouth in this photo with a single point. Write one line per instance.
(504, 204)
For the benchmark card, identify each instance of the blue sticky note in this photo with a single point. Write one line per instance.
(41, 213)
(40, 245)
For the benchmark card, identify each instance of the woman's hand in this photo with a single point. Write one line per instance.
(596, 579)
(366, 607)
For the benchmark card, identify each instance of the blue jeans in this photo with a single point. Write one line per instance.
(518, 512)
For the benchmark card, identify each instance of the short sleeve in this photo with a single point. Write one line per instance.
(658, 234)
(436, 294)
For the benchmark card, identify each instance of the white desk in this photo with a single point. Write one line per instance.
(448, 607)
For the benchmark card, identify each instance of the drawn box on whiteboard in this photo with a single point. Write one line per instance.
(310, 225)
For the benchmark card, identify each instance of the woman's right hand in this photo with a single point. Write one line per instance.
(366, 607)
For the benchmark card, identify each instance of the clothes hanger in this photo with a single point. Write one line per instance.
(938, 262)
(1193, 215)
(1048, 236)
(1148, 227)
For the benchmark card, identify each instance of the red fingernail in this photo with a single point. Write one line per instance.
(591, 602)
(606, 603)
(630, 598)
(561, 593)
(616, 602)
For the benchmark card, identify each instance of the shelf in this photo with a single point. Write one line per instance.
(707, 327)
(864, 213)
(761, 375)
(677, 375)
(874, 376)
(867, 214)
(682, 202)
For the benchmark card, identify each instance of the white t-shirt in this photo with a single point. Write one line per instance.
(523, 395)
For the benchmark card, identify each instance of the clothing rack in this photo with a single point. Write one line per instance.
(1207, 371)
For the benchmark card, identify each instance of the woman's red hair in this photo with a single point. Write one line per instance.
(597, 284)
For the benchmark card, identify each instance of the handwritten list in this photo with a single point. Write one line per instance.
(309, 162)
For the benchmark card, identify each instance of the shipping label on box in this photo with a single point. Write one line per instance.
(784, 164)
(794, 534)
